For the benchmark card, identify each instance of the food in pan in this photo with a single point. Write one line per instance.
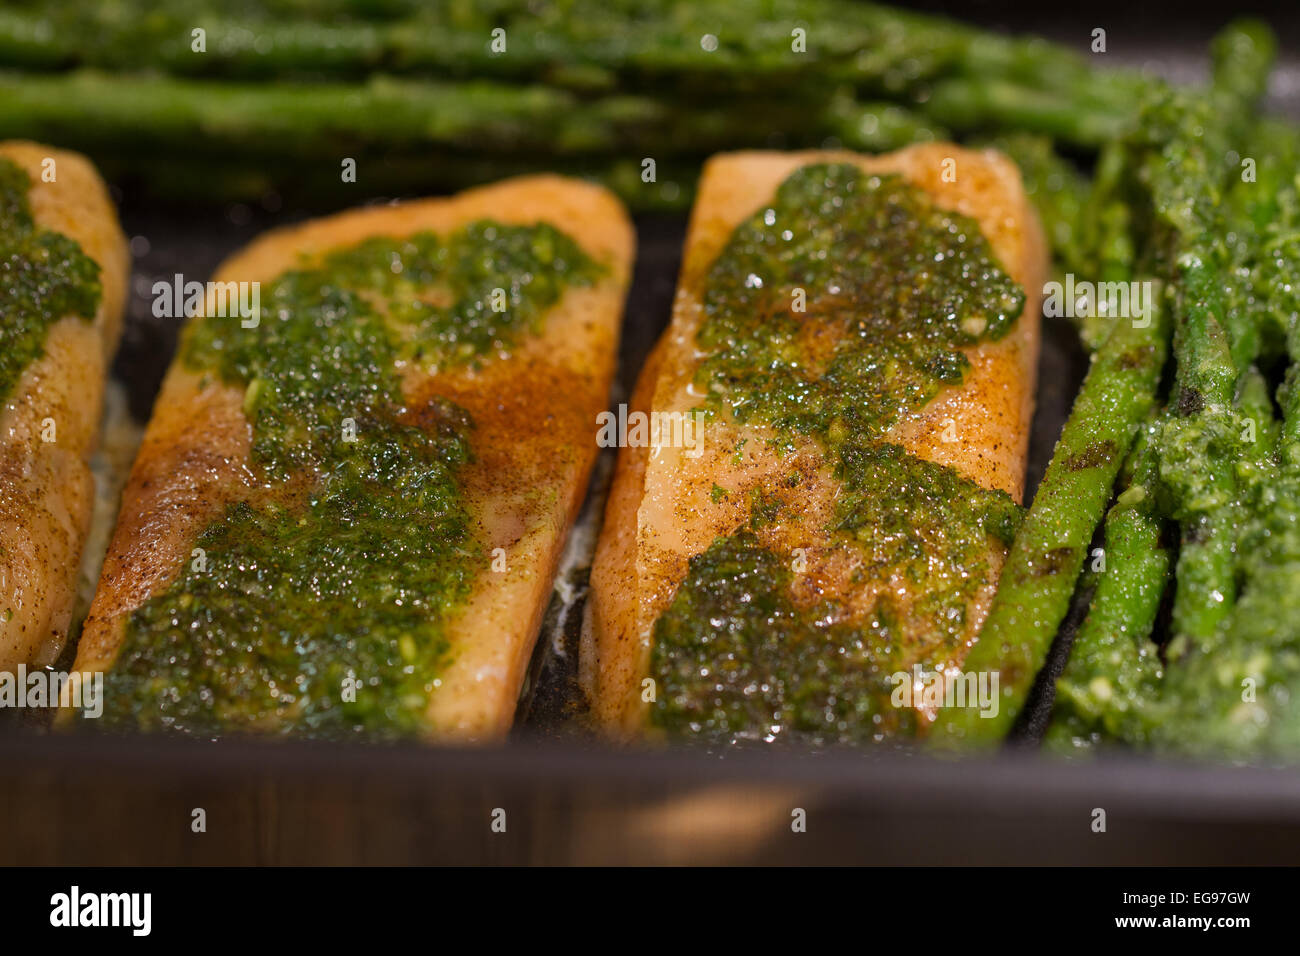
(350, 502)
(855, 532)
(63, 268)
(854, 340)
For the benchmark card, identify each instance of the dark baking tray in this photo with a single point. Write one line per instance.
(569, 798)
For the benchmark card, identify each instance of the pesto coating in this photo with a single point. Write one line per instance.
(900, 285)
(736, 660)
(44, 276)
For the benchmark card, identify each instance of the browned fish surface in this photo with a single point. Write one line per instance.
(46, 488)
(669, 506)
(534, 412)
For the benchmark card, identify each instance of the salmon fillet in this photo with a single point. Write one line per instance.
(533, 409)
(46, 487)
(667, 505)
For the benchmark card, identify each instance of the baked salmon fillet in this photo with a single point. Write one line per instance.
(63, 274)
(840, 410)
(350, 502)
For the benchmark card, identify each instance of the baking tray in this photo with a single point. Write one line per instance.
(567, 797)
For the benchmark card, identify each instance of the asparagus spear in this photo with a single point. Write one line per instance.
(303, 120)
(967, 103)
(590, 44)
(1044, 561)
(1110, 685)
(1271, 209)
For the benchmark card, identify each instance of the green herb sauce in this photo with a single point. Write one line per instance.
(736, 659)
(893, 288)
(44, 276)
(323, 604)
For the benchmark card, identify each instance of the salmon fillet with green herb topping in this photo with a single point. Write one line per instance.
(63, 273)
(858, 336)
(347, 519)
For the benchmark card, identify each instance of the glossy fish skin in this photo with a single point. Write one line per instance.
(534, 413)
(46, 488)
(661, 511)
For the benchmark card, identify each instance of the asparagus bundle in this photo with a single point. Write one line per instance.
(576, 84)
(1211, 473)
(1230, 688)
